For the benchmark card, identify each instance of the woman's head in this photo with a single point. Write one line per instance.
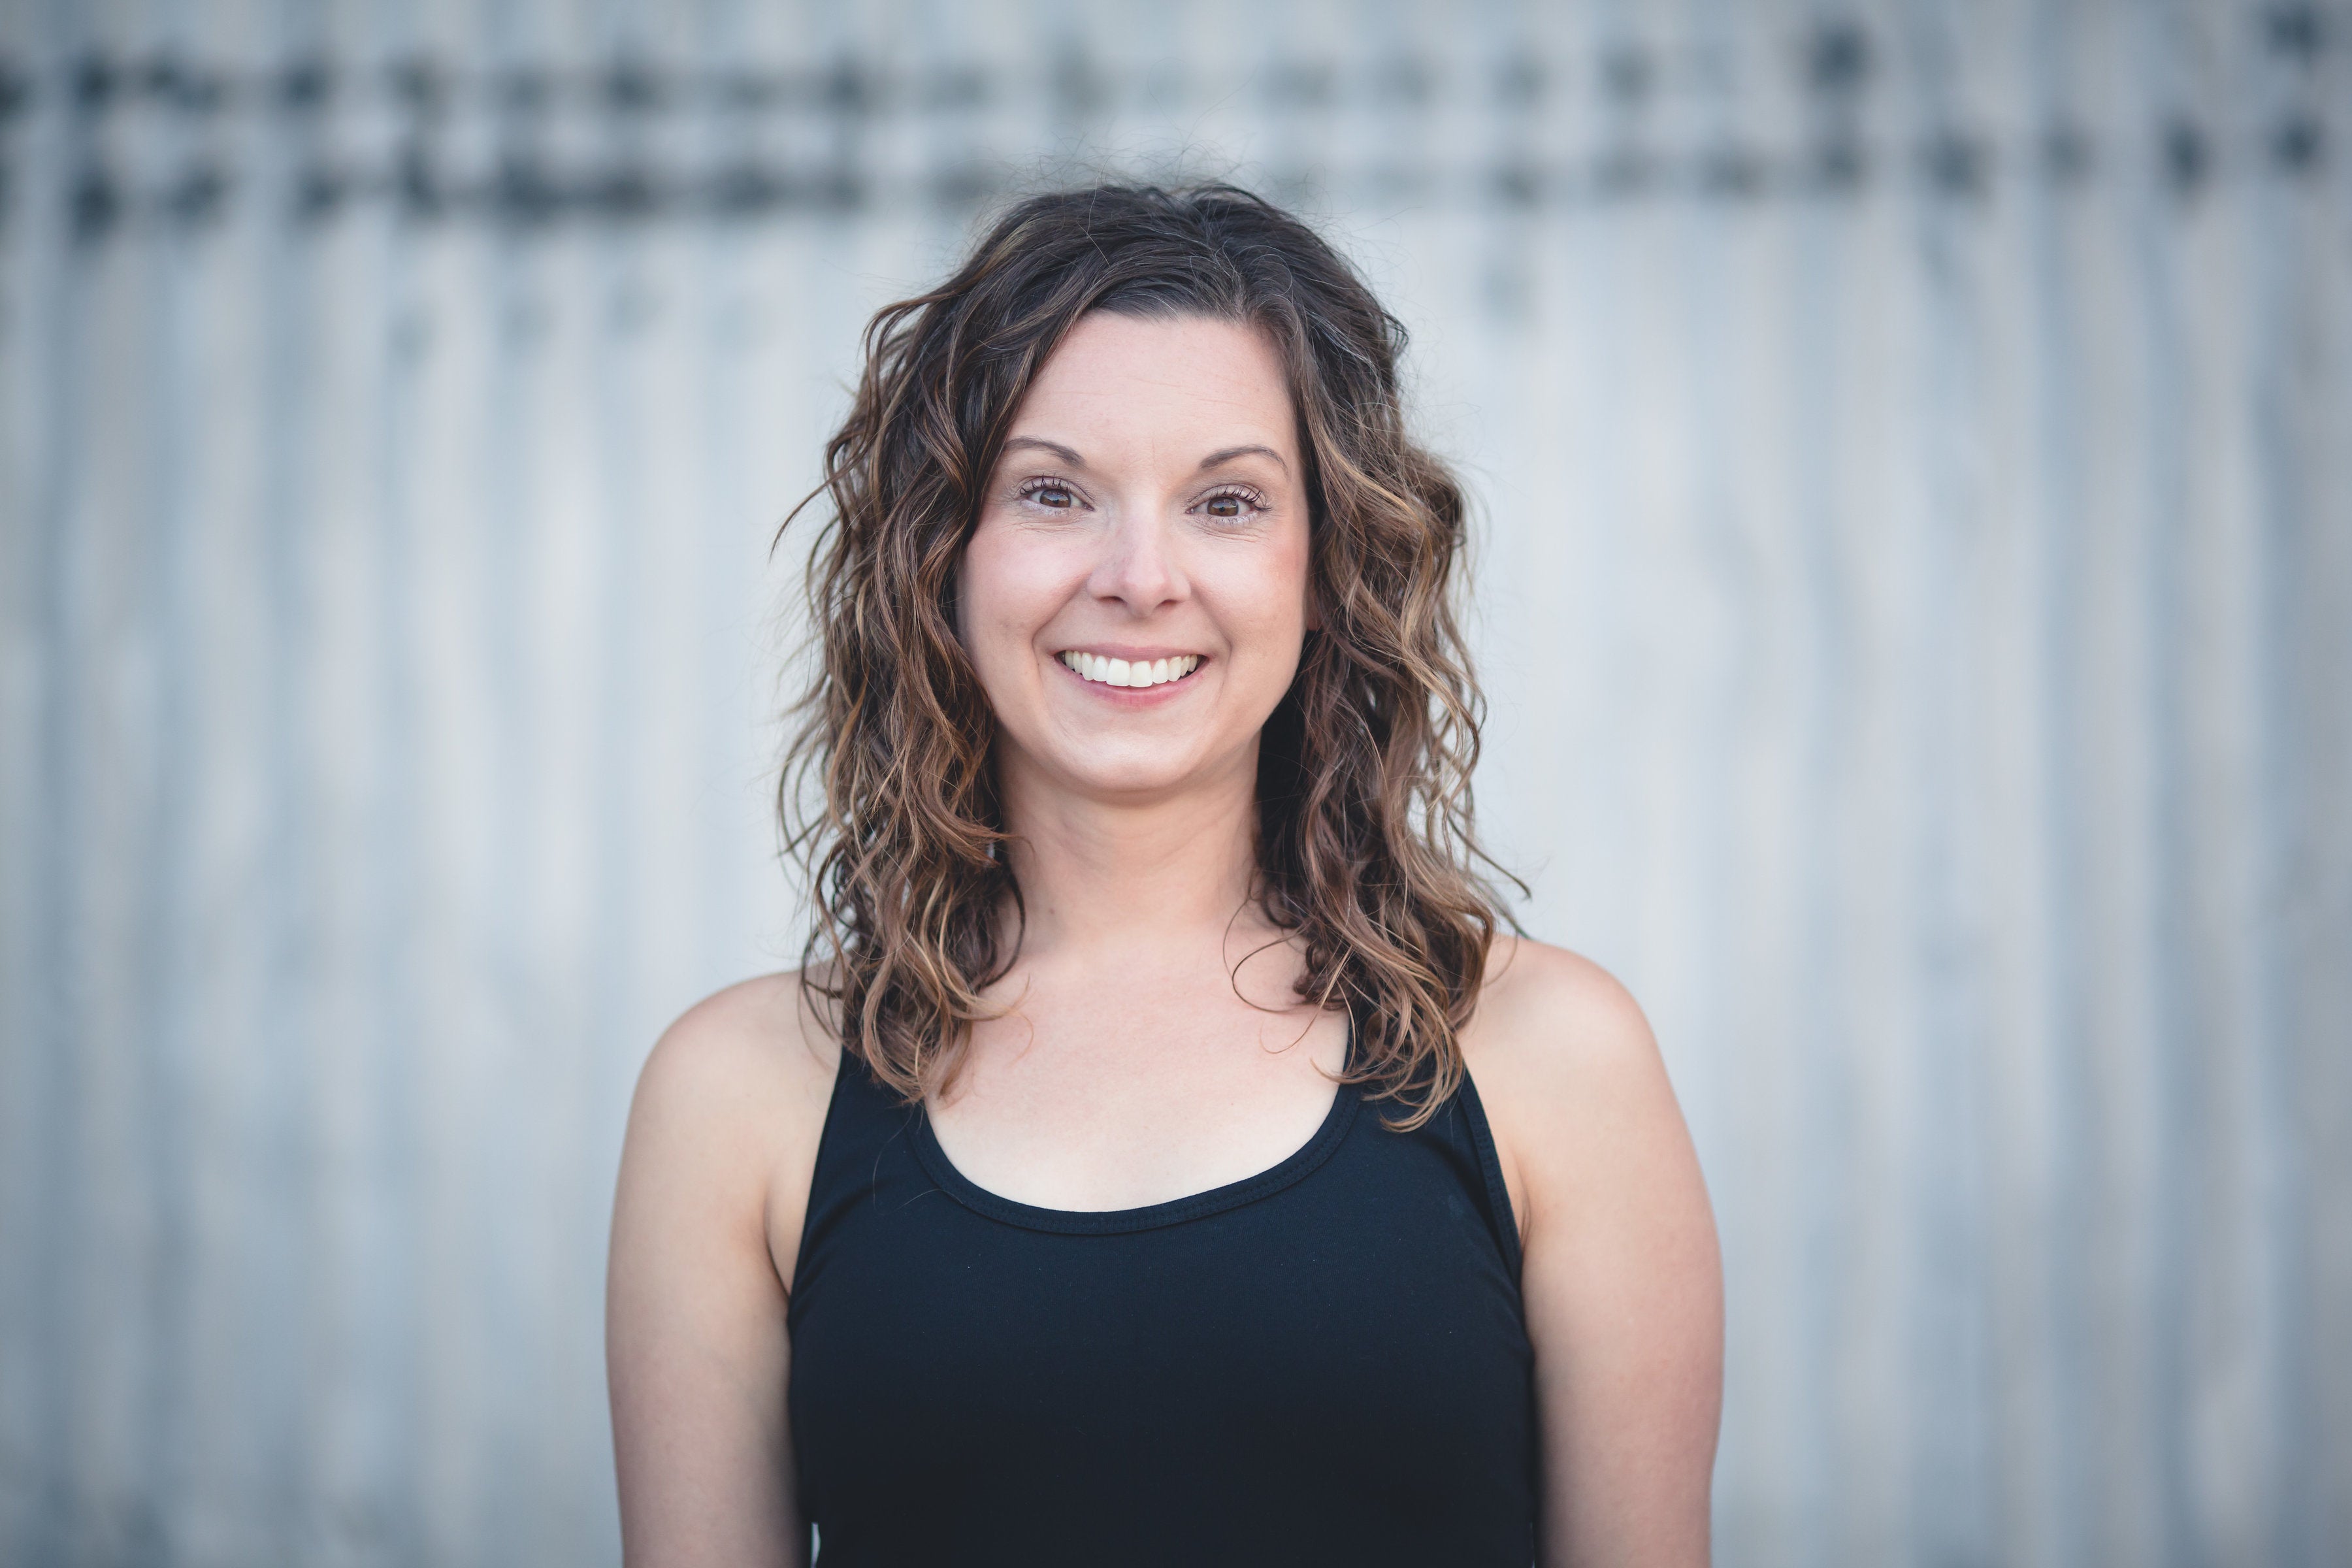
(1139, 424)
(1133, 597)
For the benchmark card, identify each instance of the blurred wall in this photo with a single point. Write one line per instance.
(1915, 447)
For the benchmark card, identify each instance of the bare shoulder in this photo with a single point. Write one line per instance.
(1570, 1077)
(1551, 1022)
(730, 1105)
(742, 1050)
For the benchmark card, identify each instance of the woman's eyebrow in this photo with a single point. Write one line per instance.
(1227, 454)
(1039, 442)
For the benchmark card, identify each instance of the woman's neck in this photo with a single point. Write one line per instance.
(1103, 876)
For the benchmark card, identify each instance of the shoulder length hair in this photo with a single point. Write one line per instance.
(1365, 850)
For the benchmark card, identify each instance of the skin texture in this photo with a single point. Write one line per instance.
(1148, 1046)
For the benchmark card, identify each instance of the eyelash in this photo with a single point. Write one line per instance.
(1248, 498)
(1031, 489)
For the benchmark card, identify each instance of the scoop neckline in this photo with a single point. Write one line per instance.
(1291, 1169)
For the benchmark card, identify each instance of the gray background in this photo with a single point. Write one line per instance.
(1914, 451)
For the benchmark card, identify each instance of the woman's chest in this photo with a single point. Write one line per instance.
(1101, 1108)
(1354, 1321)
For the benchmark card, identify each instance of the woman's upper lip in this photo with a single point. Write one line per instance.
(1132, 653)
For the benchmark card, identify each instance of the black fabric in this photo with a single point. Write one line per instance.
(1325, 1363)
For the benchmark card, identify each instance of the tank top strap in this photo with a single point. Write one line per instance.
(1496, 1190)
(865, 1123)
(1461, 1130)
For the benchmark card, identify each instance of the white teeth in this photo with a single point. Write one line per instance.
(1142, 672)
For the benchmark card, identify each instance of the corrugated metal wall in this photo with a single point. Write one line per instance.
(1915, 445)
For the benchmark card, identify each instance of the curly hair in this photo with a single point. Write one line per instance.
(1365, 850)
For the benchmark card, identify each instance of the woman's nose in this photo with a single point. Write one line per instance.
(1138, 567)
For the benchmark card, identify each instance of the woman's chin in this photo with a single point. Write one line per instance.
(1137, 786)
(1138, 775)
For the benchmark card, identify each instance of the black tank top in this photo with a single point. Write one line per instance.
(1325, 1363)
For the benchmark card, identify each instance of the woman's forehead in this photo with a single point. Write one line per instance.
(1123, 389)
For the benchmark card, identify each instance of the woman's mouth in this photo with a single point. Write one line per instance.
(1138, 672)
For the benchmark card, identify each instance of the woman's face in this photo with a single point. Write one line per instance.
(1136, 594)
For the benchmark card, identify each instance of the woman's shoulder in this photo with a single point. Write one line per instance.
(756, 1040)
(1547, 1017)
(1568, 1074)
(733, 1095)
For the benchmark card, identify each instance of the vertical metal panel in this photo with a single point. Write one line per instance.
(1916, 548)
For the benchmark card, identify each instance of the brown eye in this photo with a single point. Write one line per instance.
(1225, 506)
(1053, 496)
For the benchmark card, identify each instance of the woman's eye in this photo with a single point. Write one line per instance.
(1057, 496)
(1226, 506)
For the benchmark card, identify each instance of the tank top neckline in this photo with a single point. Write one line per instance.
(1295, 1167)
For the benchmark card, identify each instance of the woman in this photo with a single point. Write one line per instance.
(1161, 1158)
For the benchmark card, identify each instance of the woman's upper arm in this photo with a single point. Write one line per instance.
(714, 1173)
(1622, 1281)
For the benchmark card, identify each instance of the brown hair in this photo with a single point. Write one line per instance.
(1364, 846)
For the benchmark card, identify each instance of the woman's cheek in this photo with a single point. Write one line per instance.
(1267, 595)
(992, 598)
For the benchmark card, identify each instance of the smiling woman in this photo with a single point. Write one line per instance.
(1158, 1157)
